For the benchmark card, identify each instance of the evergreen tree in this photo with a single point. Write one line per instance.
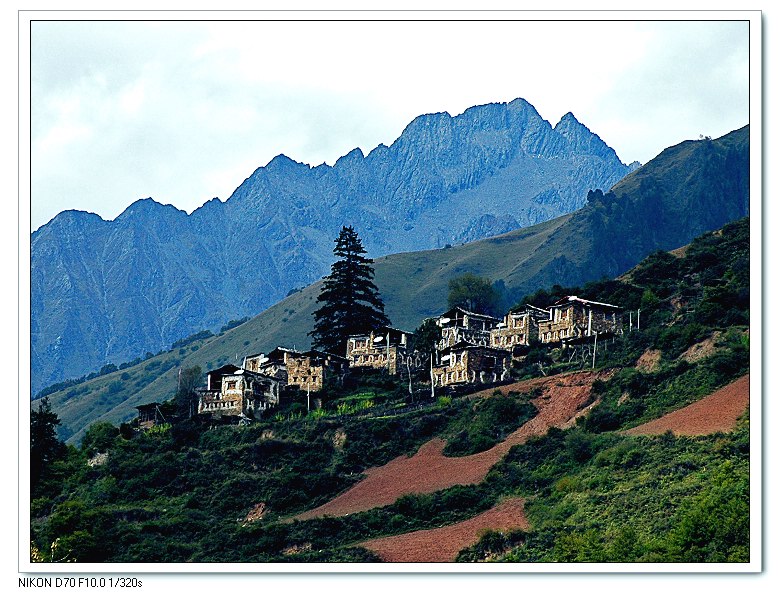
(426, 337)
(186, 398)
(45, 447)
(350, 301)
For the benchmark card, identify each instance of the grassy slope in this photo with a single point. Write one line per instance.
(414, 285)
(591, 243)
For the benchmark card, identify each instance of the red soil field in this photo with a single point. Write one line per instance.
(562, 399)
(443, 544)
(717, 412)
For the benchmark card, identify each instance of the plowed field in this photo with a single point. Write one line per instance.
(562, 399)
(444, 543)
(716, 412)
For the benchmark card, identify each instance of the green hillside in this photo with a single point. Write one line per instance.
(688, 189)
(191, 493)
(413, 286)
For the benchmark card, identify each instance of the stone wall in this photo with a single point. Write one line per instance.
(473, 365)
(576, 321)
(377, 358)
(452, 335)
(515, 333)
(305, 373)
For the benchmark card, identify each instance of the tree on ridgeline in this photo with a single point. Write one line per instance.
(350, 301)
(473, 293)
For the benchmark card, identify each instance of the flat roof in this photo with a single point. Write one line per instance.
(576, 299)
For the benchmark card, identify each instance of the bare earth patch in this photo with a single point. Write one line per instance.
(256, 512)
(649, 361)
(443, 543)
(717, 412)
(563, 398)
(701, 349)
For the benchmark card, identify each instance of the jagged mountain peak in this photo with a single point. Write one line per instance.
(283, 162)
(143, 207)
(520, 104)
(69, 221)
(421, 125)
(581, 138)
(208, 208)
(356, 154)
(569, 119)
(498, 115)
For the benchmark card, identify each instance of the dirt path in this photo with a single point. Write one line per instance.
(443, 543)
(562, 399)
(716, 412)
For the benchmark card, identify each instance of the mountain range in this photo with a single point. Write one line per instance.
(687, 190)
(109, 291)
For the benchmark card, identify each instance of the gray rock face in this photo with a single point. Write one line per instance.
(108, 291)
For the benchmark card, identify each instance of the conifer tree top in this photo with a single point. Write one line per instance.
(350, 301)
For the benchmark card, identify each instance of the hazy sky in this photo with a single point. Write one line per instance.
(185, 111)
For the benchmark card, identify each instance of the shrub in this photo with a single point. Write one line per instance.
(99, 438)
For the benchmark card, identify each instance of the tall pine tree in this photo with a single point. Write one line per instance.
(45, 447)
(350, 301)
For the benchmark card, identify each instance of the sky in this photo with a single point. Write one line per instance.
(185, 111)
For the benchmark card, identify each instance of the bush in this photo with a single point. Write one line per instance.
(99, 438)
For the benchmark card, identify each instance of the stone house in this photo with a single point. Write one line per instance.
(572, 319)
(465, 363)
(273, 364)
(460, 325)
(234, 392)
(306, 370)
(384, 348)
(309, 370)
(517, 328)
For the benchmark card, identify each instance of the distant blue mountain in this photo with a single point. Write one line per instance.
(109, 291)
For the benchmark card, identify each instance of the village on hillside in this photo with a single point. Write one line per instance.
(473, 348)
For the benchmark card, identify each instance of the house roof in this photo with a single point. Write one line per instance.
(148, 406)
(277, 353)
(382, 330)
(231, 370)
(463, 345)
(527, 309)
(449, 313)
(249, 373)
(576, 299)
(320, 354)
(224, 370)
